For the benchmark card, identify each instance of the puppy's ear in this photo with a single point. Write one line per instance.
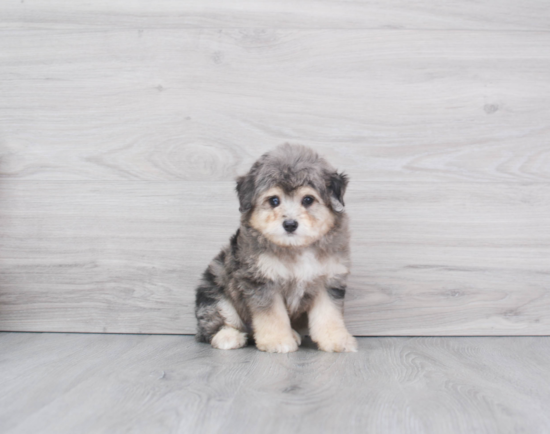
(245, 192)
(336, 184)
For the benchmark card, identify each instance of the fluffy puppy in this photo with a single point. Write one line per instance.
(286, 266)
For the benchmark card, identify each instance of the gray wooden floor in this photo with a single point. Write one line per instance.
(100, 383)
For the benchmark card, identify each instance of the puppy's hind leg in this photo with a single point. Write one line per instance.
(218, 323)
(230, 336)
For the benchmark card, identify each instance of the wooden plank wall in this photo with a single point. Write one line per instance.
(123, 125)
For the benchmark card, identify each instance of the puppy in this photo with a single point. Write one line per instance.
(287, 264)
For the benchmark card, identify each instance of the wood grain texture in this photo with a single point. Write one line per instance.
(203, 104)
(429, 259)
(123, 125)
(302, 14)
(54, 383)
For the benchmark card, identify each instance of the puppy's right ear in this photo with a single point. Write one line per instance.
(245, 192)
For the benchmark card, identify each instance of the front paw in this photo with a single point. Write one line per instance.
(286, 343)
(341, 342)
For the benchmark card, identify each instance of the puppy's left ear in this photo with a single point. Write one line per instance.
(337, 183)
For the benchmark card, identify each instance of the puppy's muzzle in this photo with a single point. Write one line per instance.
(290, 225)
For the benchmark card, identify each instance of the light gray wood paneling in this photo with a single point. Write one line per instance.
(150, 384)
(429, 259)
(203, 104)
(123, 125)
(303, 14)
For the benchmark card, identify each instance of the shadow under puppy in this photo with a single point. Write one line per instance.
(286, 266)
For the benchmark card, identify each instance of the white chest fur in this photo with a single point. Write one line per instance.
(304, 268)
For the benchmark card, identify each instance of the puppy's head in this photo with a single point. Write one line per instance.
(292, 196)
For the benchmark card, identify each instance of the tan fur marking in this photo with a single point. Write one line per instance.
(318, 216)
(264, 217)
(327, 328)
(272, 331)
(313, 222)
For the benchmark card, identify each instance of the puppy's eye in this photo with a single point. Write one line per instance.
(274, 201)
(308, 200)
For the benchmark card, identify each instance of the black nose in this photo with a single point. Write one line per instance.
(290, 225)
